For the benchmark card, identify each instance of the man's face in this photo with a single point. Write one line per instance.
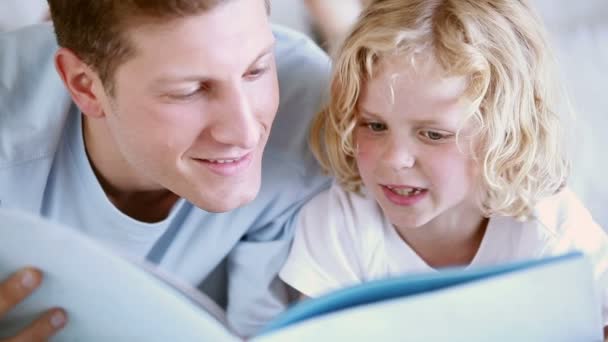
(192, 110)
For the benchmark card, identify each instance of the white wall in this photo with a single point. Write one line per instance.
(579, 33)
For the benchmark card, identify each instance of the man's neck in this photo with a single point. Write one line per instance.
(147, 207)
(118, 179)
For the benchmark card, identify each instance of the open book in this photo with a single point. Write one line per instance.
(109, 298)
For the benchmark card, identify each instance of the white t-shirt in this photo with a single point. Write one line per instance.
(343, 239)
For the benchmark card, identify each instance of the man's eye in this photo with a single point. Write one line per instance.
(203, 88)
(376, 126)
(185, 96)
(257, 72)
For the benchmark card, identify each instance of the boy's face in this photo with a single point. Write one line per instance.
(192, 110)
(407, 153)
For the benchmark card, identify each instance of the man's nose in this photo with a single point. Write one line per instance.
(236, 124)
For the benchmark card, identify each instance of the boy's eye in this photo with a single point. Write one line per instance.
(432, 135)
(376, 126)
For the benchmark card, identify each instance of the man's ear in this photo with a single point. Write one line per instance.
(81, 81)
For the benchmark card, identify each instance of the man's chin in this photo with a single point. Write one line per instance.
(225, 203)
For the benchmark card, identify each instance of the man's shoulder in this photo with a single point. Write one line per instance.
(301, 63)
(35, 36)
(293, 46)
(33, 100)
(24, 54)
(303, 71)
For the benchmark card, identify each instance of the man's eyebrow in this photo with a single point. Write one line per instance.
(203, 78)
(266, 51)
(189, 78)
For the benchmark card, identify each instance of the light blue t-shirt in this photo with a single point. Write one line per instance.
(44, 170)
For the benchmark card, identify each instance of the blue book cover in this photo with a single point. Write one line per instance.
(550, 299)
(409, 285)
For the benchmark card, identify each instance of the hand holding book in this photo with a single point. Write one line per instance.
(14, 290)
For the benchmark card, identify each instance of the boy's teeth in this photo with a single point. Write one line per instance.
(406, 191)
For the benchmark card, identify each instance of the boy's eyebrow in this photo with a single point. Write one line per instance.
(429, 122)
(368, 113)
(423, 121)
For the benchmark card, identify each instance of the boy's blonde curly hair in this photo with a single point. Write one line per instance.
(500, 46)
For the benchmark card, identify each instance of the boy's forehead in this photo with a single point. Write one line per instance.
(411, 66)
(415, 76)
(420, 92)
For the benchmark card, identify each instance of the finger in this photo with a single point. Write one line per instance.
(18, 286)
(42, 328)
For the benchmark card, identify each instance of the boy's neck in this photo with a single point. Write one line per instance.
(447, 241)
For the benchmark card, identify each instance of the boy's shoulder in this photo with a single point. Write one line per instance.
(565, 219)
(337, 196)
(33, 101)
(344, 209)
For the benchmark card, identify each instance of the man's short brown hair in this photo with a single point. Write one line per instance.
(95, 29)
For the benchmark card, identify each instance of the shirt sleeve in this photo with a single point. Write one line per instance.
(593, 241)
(326, 251)
(589, 237)
(290, 177)
(577, 230)
(255, 294)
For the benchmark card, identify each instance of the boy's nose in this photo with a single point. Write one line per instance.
(399, 156)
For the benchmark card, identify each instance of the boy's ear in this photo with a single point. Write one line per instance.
(81, 81)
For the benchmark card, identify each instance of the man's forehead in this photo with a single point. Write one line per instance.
(203, 39)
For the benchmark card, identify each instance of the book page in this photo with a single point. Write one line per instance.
(107, 298)
(551, 302)
(190, 293)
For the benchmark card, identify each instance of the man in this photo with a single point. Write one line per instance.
(153, 145)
